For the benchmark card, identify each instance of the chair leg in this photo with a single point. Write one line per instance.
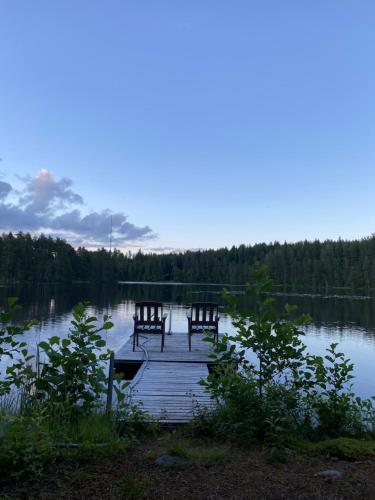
(133, 341)
(189, 341)
(162, 341)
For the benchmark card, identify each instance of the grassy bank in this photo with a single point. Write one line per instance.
(210, 469)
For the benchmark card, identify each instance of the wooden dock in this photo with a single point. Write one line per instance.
(166, 384)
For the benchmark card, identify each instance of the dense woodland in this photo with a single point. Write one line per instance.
(311, 265)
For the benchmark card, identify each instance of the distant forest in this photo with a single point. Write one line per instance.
(310, 265)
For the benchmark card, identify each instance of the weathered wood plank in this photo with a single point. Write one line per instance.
(176, 348)
(168, 388)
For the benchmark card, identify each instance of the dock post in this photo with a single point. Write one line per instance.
(110, 382)
(170, 321)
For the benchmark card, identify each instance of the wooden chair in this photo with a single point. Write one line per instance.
(203, 318)
(149, 319)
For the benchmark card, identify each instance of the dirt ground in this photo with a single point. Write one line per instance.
(230, 472)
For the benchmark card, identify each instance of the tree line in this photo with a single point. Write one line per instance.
(310, 265)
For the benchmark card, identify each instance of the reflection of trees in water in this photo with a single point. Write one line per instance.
(333, 312)
(51, 301)
(337, 312)
(42, 301)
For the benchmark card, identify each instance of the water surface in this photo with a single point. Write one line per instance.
(349, 320)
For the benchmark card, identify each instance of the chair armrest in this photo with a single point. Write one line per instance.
(135, 317)
(188, 314)
(217, 318)
(164, 317)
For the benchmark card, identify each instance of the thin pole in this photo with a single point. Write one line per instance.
(170, 320)
(110, 238)
(110, 382)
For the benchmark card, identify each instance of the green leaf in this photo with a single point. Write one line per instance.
(100, 343)
(44, 346)
(120, 395)
(108, 325)
(54, 340)
(65, 343)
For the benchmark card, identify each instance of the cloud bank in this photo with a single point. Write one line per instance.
(50, 206)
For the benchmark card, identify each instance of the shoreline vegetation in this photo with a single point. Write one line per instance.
(287, 423)
(277, 290)
(307, 265)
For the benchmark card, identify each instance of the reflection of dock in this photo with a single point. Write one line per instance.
(167, 383)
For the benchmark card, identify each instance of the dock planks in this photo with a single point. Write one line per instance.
(168, 386)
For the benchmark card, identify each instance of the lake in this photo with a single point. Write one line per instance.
(347, 319)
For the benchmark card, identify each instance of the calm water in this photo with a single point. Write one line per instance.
(344, 319)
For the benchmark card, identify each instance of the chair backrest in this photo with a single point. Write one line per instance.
(204, 313)
(149, 312)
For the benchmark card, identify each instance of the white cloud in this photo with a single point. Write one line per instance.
(49, 205)
(43, 194)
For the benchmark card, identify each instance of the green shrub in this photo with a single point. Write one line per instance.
(47, 408)
(26, 446)
(250, 394)
(285, 391)
(74, 372)
(132, 422)
(338, 411)
(19, 372)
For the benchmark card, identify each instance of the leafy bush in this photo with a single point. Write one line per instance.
(251, 393)
(26, 446)
(62, 396)
(19, 372)
(275, 338)
(286, 391)
(338, 410)
(74, 374)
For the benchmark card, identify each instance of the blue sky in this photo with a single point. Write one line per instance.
(200, 123)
